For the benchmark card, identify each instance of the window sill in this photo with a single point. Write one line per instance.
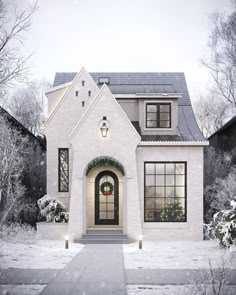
(158, 129)
(167, 225)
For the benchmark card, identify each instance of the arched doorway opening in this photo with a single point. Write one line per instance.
(106, 198)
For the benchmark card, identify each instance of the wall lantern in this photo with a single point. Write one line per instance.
(104, 129)
(104, 126)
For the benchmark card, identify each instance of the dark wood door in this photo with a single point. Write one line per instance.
(106, 198)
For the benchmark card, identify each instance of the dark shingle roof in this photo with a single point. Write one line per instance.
(141, 83)
(228, 124)
(132, 83)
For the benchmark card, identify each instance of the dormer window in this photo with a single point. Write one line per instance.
(158, 115)
(104, 80)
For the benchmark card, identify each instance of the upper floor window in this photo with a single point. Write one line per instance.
(63, 170)
(158, 115)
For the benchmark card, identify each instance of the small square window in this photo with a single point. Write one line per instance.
(158, 115)
(76, 93)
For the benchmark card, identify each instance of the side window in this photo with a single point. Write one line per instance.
(63, 170)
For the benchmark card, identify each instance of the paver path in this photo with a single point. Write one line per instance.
(97, 269)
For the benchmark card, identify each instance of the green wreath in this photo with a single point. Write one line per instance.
(109, 191)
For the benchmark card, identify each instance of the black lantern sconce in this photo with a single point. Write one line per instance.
(104, 126)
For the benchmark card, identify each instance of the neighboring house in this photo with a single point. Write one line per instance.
(34, 175)
(224, 139)
(124, 152)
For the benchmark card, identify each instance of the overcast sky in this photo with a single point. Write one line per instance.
(122, 35)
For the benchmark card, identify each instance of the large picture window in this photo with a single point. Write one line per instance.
(165, 192)
(158, 115)
(63, 170)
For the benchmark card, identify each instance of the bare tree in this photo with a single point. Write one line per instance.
(12, 147)
(222, 62)
(211, 113)
(215, 281)
(29, 105)
(13, 25)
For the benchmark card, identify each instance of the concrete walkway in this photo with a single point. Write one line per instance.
(97, 269)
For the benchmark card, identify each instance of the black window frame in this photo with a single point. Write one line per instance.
(185, 190)
(158, 120)
(59, 170)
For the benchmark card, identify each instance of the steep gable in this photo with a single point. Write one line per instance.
(72, 106)
(105, 105)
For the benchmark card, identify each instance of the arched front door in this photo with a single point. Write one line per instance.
(106, 198)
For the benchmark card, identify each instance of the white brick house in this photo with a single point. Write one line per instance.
(124, 152)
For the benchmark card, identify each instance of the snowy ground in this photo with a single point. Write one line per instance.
(42, 254)
(172, 290)
(21, 289)
(177, 255)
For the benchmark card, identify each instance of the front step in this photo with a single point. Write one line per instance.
(103, 231)
(102, 236)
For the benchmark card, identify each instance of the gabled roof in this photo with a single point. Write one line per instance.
(21, 128)
(228, 124)
(137, 83)
(151, 83)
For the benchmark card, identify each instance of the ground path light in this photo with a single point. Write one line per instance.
(66, 242)
(140, 242)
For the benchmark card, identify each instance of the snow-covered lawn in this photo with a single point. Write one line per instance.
(177, 255)
(42, 254)
(21, 289)
(171, 290)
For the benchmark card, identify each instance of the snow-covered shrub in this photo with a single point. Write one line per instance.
(53, 209)
(208, 231)
(16, 232)
(218, 195)
(225, 228)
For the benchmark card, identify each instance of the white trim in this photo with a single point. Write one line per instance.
(127, 100)
(173, 143)
(149, 95)
(103, 89)
(58, 87)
